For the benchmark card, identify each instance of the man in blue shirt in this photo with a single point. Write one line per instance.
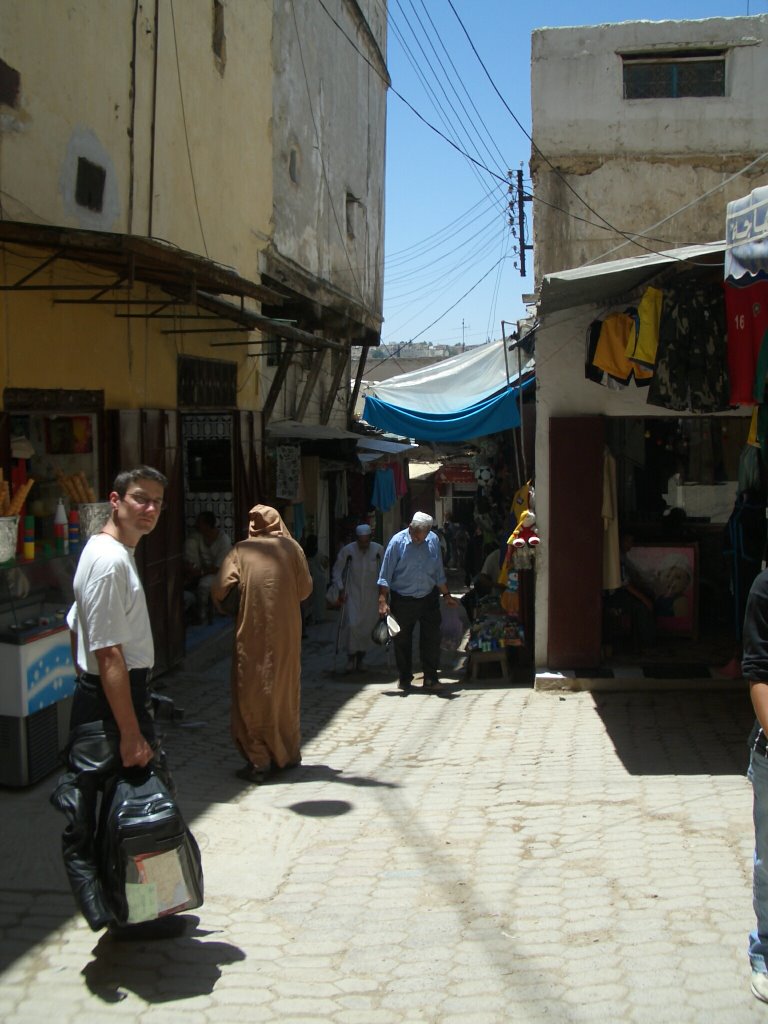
(411, 580)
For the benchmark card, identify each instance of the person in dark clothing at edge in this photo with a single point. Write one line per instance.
(111, 724)
(755, 669)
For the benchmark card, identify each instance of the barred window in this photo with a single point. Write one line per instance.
(674, 75)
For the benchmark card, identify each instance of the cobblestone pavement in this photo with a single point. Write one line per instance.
(494, 854)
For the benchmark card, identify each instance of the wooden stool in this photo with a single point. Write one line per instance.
(477, 658)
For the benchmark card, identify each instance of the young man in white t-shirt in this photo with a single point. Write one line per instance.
(115, 650)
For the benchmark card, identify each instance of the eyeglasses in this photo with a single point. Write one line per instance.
(144, 500)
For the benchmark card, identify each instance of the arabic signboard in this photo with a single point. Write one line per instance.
(746, 235)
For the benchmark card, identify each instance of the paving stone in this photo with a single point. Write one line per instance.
(506, 855)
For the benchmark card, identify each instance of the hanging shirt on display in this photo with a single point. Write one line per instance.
(610, 353)
(691, 369)
(747, 322)
(384, 496)
(642, 347)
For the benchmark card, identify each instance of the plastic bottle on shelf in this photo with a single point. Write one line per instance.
(29, 537)
(61, 529)
(74, 530)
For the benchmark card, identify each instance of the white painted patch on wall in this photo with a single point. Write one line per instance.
(84, 144)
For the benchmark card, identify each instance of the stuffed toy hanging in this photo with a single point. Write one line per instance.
(526, 531)
(522, 501)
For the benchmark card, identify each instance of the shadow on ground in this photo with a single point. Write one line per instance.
(652, 733)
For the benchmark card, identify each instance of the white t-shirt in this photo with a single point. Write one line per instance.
(110, 607)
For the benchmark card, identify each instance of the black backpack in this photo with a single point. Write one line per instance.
(150, 863)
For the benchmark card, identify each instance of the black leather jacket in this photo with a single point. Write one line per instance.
(93, 759)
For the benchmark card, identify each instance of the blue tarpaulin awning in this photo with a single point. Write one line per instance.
(491, 416)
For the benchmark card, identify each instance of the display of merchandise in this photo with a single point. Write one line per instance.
(496, 632)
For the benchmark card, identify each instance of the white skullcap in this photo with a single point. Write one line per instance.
(422, 520)
(362, 530)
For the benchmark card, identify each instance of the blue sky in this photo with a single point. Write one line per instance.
(449, 259)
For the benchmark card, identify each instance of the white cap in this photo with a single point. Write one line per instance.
(362, 530)
(422, 520)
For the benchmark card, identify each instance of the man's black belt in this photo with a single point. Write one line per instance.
(137, 676)
(407, 597)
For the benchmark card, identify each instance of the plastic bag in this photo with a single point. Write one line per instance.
(380, 632)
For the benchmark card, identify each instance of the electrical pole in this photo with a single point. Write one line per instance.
(518, 227)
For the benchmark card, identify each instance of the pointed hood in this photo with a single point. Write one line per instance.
(266, 520)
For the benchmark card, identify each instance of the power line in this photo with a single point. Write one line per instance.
(444, 117)
(186, 133)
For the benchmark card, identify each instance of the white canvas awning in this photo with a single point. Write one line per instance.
(454, 384)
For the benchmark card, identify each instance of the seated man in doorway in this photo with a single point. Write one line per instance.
(486, 582)
(204, 551)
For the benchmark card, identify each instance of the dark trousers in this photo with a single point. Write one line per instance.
(426, 612)
(90, 704)
(93, 762)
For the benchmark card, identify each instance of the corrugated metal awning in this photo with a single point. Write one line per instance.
(288, 429)
(377, 444)
(602, 282)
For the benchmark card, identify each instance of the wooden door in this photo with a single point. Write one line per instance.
(247, 484)
(574, 631)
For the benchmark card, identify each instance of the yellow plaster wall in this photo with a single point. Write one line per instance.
(72, 61)
(211, 174)
(212, 190)
(47, 345)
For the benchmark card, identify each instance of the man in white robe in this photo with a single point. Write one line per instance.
(355, 574)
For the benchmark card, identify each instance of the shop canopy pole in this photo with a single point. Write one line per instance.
(516, 341)
(520, 396)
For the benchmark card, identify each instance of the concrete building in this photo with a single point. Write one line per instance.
(660, 168)
(642, 128)
(191, 239)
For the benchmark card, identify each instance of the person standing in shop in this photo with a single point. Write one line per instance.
(411, 582)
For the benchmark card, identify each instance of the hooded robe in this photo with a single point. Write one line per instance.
(273, 577)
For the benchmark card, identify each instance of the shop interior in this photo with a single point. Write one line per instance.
(679, 483)
(55, 456)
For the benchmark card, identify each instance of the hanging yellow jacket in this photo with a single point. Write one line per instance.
(644, 343)
(611, 351)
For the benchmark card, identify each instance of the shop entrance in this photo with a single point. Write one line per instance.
(208, 469)
(687, 560)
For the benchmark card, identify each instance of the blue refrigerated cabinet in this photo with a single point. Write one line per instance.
(37, 677)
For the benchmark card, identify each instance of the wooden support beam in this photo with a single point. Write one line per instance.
(310, 384)
(279, 380)
(340, 360)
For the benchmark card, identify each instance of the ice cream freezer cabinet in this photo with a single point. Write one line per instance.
(37, 680)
